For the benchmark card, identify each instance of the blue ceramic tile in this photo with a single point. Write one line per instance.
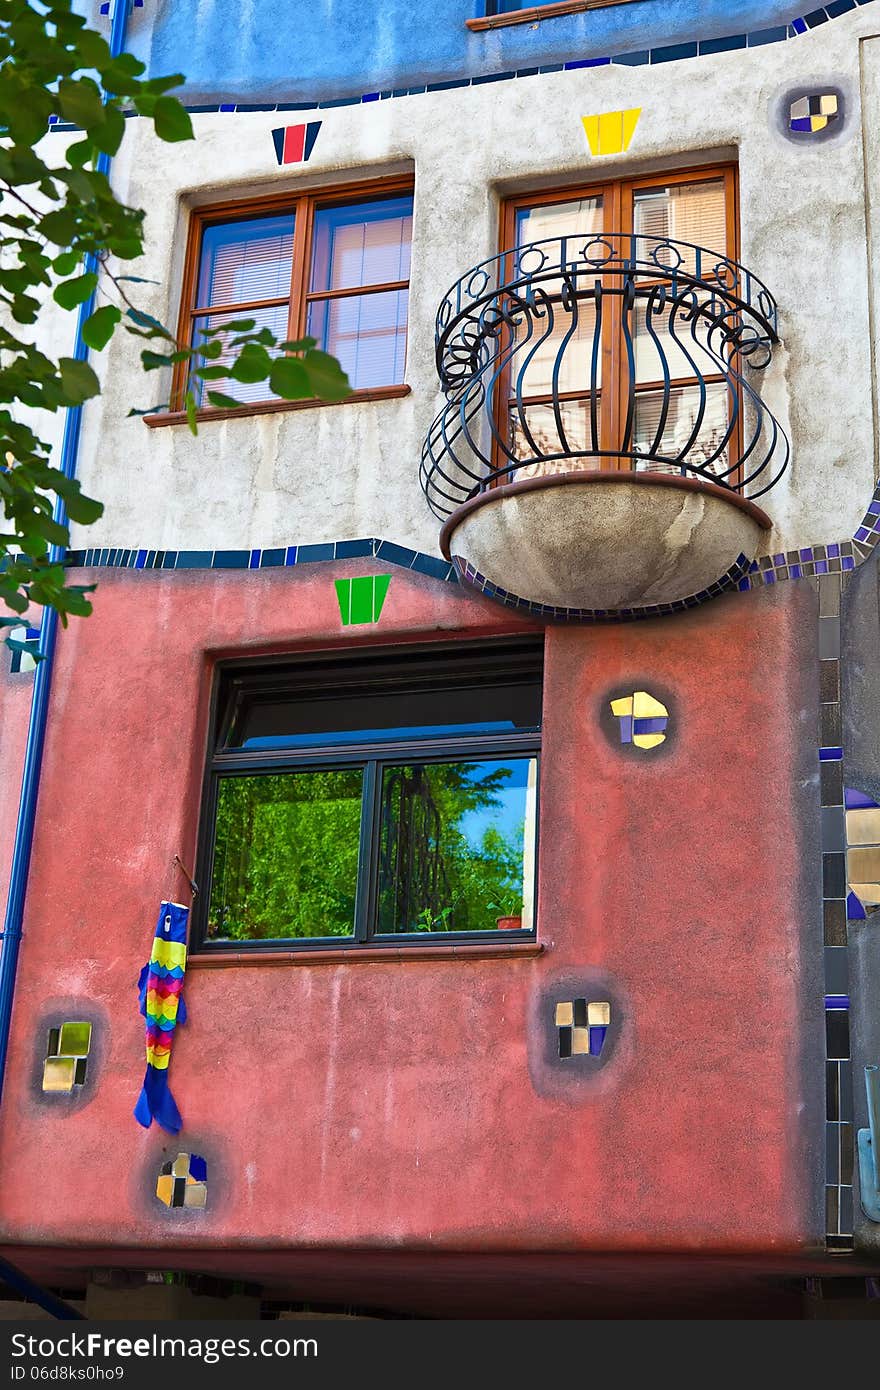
(290, 555)
(492, 77)
(169, 560)
(350, 550)
(673, 53)
(815, 18)
(431, 564)
(141, 559)
(552, 67)
(254, 560)
(397, 554)
(798, 26)
(345, 101)
(231, 559)
(269, 559)
(631, 60)
(307, 554)
(726, 45)
(448, 86)
(763, 36)
(830, 755)
(837, 1001)
(370, 96)
(194, 559)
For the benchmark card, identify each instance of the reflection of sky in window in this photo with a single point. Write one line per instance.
(509, 815)
(291, 740)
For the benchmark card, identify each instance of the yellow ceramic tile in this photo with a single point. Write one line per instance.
(611, 132)
(591, 128)
(58, 1073)
(623, 707)
(630, 121)
(165, 1188)
(863, 826)
(648, 740)
(599, 1014)
(580, 1040)
(196, 1194)
(75, 1039)
(828, 104)
(646, 707)
(818, 122)
(564, 1015)
(865, 892)
(180, 1167)
(863, 865)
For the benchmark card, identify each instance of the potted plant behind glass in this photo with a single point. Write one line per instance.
(510, 908)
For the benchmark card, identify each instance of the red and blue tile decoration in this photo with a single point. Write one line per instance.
(294, 143)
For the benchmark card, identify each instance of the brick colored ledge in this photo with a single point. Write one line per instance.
(536, 12)
(354, 955)
(178, 417)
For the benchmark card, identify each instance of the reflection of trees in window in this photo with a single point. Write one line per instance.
(432, 876)
(286, 855)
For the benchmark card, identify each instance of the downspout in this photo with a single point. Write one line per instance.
(33, 756)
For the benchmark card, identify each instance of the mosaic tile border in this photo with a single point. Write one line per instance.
(666, 53)
(839, 1132)
(276, 557)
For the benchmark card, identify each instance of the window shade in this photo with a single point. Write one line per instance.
(245, 261)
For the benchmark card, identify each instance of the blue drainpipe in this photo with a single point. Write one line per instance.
(33, 755)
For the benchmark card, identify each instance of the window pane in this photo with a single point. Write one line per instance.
(682, 419)
(540, 420)
(274, 318)
(674, 335)
(367, 332)
(247, 260)
(286, 856)
(539, 343)
(362, 244)
(360, 715)
(457, 846)
(694, 212)
(580, 217)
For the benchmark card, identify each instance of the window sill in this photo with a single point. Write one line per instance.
(354, 955)
(538, 12)
(178, 417)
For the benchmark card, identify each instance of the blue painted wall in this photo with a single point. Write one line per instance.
(296, 50)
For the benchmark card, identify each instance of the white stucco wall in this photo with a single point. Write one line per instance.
(333, 473)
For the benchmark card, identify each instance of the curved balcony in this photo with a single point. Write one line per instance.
(603, 443)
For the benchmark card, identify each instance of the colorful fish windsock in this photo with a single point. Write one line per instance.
(161, 1003)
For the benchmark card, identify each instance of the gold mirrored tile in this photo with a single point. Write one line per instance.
(59, 1073)
(863, 865)
(800, 109)
(196, 1194)
(863, 826)
(599, 1014)
(564, 1015)
(180, 1166)
(580, 1041)
(866, 892)
(75, 1039)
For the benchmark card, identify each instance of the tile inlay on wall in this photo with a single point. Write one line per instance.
(183, 1182)
(294, 143)
(610, 132)
(643, 719)
(67, 1055)
(582, 1026)
(808, 115)
(862, 854)
(361, 599)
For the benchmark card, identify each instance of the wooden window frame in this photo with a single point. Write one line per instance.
(618, 205)
(302, 206)
(531, 14)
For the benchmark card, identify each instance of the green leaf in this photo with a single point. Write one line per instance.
(108, 134)
(84, 510)
(253, 364)
(70, 293)
(98, 327)
(152, 360)
(223, 402)
(190, 403)
(78, 381)
(80, 101)
(172, 122)
(327, 379)
(290, 379)
(147, 321)
(237, 326)
(66, 262)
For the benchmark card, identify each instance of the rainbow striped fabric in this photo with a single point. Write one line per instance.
(161, 1003)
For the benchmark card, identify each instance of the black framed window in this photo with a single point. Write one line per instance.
(373, 797)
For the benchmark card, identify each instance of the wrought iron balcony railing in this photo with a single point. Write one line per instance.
(613, 351)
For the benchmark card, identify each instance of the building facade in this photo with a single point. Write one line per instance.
(514, 717)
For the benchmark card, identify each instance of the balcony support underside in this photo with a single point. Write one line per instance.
(613, 542)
